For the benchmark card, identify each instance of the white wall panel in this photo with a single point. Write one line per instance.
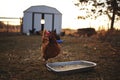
(37, 22)
(27, 22)
(57, 23)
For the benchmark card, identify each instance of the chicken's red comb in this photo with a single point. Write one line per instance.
(47, 32)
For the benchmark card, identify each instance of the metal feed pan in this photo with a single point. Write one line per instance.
(70, 66)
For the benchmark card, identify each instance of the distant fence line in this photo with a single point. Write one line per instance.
(9, 18)
(10, 24)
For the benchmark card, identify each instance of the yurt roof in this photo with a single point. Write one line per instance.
(43, 9)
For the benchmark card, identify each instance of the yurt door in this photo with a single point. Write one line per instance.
(48, 22)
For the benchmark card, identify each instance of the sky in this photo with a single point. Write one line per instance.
(15, 8)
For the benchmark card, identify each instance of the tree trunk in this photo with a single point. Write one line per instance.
(112, 21)
(114, 5)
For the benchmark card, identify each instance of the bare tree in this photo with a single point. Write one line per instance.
(100, 7)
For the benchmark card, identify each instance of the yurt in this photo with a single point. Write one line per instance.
(38, 18)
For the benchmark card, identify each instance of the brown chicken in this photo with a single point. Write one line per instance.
(50, 48)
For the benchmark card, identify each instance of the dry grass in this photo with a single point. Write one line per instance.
(20, 58)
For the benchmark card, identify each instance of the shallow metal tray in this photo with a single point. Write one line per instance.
(70, 66)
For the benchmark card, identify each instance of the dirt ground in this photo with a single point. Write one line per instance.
(20, 58)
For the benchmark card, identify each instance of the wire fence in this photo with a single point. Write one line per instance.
(10, 24)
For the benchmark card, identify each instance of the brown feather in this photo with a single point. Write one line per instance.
(50, 47)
